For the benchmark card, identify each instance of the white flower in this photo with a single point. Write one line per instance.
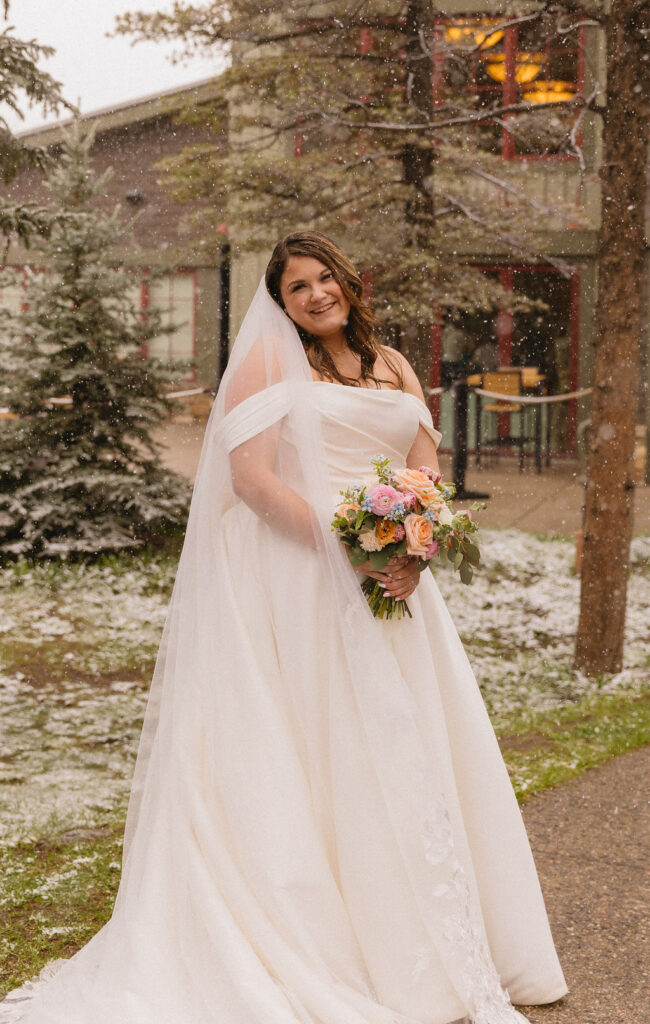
(368, 540)
(445, 517)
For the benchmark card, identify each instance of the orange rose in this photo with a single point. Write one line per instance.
(419, 484)
(419, 534)
(385, 531)
(348, 506)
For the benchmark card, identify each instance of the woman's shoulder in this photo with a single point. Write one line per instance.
(396, 361)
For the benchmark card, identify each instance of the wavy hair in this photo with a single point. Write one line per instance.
(360, 331)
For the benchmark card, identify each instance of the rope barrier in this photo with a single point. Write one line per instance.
(520, 399)
(533, 399)
(191, 391)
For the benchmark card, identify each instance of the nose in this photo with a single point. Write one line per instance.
(318, 292)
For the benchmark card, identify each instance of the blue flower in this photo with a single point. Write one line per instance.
(397, 514)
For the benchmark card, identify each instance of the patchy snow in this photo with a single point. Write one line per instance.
(67, 755)
(518, 622)
(69, 736)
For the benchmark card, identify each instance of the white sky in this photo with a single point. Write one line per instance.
(95, 70)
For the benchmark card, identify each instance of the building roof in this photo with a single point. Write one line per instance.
(120, 115)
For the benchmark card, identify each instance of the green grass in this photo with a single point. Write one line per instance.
(551, 748)
(56, 894)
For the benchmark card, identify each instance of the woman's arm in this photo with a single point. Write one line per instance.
(253, 480)
(252, 463)
(423, 450)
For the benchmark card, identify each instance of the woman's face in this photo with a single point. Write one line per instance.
(313, 298)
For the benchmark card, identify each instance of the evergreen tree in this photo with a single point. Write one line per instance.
(20, 76)
(79, 470)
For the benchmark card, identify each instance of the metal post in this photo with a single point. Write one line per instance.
(460, 393)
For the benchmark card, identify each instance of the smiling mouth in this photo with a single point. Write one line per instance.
(322, 309)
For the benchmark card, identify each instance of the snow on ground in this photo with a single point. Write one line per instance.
(69, 726)
(518, 622)
(68, 734)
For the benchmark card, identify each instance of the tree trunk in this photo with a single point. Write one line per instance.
(610, 481)
(417, 160)
(417, 346)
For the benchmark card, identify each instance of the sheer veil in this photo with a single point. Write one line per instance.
(188, 804)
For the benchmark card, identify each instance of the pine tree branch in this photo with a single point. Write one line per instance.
(509, 241)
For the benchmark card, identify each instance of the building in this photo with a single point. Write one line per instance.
(131, 139)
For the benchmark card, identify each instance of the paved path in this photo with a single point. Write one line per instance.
(548, 502)
(591, 840)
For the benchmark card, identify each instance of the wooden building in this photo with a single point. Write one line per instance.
(132, 138)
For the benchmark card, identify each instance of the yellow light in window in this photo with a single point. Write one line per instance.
(474, 32)
(527, 66)
(551, 92)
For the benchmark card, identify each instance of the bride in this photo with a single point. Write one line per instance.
(321, 828)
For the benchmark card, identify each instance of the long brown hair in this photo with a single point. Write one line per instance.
(360, 331)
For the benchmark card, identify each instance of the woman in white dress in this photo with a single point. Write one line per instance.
(321, 828)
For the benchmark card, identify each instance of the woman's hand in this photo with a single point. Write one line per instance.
(399, 578)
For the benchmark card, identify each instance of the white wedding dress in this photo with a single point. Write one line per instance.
(285, 879)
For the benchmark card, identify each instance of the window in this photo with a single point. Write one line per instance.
(175, 296)
(525, 63)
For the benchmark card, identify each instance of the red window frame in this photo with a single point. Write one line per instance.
(509, 85)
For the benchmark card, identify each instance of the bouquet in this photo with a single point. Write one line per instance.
(406, 511)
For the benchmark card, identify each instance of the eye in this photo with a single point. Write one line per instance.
(296, 287)
(326, 275)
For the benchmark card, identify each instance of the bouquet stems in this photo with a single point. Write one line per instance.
(381, 604)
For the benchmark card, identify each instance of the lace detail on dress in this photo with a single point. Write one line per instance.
(16, 1004)
(467, 954)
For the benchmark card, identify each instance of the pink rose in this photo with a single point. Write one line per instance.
(419, 535)
(432, 550)
(383, 499)
(408, 499)
(431, 473)
(400, 532)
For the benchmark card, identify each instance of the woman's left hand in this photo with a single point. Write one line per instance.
(400, 577)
